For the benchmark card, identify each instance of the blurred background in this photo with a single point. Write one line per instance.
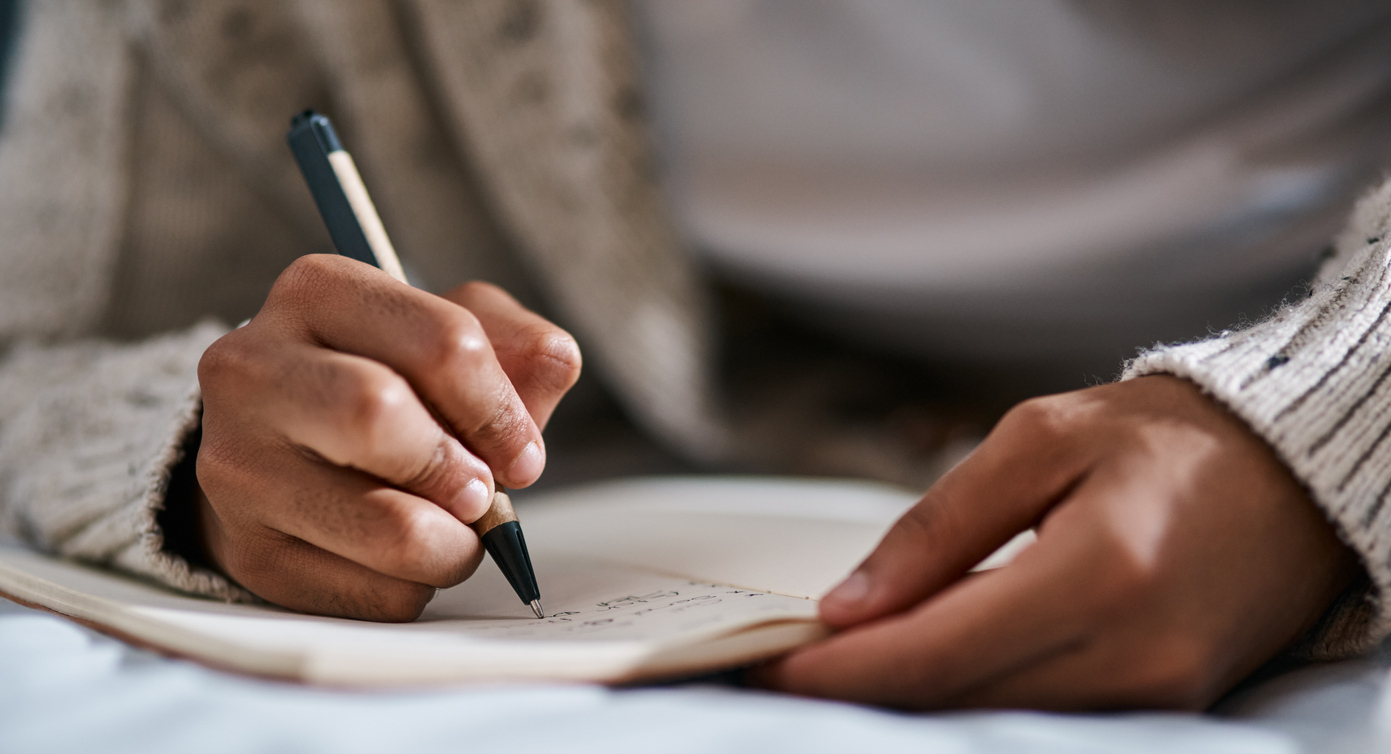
(910, 214)
(917, 213)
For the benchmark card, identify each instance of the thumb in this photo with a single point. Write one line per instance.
(1008, 483)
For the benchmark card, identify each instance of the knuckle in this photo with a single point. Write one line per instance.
(918, 533)
(439, 471)
(222, 468)
(553, 358)
(475, 289)
(216, 358)
(308, 270)
(409, 542)
(304, 274)
(304, 281)
(223, 364)
(213, 470)
(370, 402)
(458, 343)
(504, 429)
(925, 519)
(1045, 417)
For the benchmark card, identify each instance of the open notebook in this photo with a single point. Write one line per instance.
(641, 579)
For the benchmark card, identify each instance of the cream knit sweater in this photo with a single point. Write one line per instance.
(1312, 381)
(144, 185)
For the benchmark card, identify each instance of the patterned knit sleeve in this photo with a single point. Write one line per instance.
(89, 435)
(1312, 380)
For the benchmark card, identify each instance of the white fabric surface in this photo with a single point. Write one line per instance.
(65, 688)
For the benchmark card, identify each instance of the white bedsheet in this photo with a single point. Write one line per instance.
(66, 688)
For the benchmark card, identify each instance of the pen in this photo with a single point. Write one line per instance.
(357, 232)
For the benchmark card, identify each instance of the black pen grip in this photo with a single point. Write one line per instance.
(507, 546)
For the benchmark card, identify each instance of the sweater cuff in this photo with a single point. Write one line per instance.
(1312, 380)
(88, 459)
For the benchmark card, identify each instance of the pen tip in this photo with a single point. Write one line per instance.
(536, 608)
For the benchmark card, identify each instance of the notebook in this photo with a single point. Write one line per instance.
(642, 579)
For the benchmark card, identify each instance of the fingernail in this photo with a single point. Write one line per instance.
(851, 591)
(528, 465)
(473, 500)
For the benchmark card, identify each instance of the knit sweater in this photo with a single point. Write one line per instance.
(1312, 381)
(144, 186)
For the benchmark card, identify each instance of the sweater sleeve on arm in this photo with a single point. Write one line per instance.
(1312, 380)
(89, 434)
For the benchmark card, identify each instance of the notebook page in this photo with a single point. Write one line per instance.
(606, 622)
(797, 539)
(588, 600)
(795, 556)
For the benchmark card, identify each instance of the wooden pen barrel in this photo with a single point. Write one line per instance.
(499, 513)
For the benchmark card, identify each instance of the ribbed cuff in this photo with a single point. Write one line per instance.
(1314, 381)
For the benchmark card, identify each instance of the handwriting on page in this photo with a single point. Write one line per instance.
(689, 609)
(599, 601)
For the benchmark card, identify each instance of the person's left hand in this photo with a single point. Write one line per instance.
(1175, 554)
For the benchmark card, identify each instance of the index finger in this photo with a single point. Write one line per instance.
(1027, 463)
(438, 346)
(979, 630)
(541, 359)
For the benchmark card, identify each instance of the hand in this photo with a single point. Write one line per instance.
(1175, 554)
(349, 429)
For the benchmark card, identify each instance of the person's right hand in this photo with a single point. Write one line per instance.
(349, 431)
